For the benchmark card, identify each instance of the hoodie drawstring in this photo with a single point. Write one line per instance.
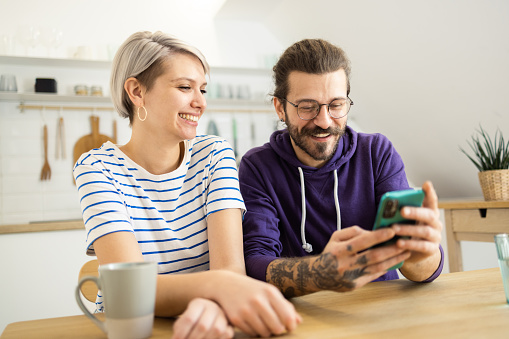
(305, 245)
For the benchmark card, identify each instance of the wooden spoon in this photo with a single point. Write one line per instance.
(46, 170)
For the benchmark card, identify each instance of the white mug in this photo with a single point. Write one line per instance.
(128, 291)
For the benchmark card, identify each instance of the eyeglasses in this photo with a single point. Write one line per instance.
(309, 109)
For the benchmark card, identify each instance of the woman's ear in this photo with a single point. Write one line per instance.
(279, 106)
(135, 92)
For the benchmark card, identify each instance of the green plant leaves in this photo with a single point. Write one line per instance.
(488, 154)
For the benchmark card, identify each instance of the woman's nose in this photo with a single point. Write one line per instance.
(199, 101)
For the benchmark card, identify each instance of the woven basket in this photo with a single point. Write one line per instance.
(495, 184)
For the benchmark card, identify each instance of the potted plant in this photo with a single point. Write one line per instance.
(491, 157)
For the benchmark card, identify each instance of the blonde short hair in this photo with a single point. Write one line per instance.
(142, 56)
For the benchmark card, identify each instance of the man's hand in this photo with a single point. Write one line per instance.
(425, 237)
(346, 263)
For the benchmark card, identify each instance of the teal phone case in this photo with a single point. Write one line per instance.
(388, 212)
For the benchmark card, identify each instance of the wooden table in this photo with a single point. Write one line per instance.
(457, 305)
(471, 220)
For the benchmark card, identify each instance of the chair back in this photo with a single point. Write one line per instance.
(89, 289)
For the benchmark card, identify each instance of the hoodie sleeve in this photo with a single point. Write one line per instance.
(260, 224)
(389, 172)
(388, 168)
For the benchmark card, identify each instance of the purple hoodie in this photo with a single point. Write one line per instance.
(366, 166)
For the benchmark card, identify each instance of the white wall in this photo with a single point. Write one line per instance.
(425, 73)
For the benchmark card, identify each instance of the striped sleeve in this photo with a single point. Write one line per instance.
(102, 204)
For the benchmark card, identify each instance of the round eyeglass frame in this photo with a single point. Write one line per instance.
(319, 107)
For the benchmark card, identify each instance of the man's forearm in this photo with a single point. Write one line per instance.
(299, 276)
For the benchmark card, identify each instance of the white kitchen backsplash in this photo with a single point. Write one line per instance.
(24, 197)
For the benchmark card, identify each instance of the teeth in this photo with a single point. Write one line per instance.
(189, 117)
(322, 135)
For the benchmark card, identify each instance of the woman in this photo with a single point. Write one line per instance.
(172, 197)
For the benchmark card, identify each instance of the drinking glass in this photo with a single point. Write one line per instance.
(502, 244)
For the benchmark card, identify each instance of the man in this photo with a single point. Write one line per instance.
(312, 192)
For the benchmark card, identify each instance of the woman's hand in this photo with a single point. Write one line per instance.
(202, 319)
(255, 307)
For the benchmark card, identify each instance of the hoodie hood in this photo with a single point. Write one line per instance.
(282, 145)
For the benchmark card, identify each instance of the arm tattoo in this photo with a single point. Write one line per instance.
(299, 276)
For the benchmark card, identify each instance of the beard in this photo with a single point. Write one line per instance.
(319, 151)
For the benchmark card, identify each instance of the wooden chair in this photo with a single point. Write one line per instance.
(89, 289)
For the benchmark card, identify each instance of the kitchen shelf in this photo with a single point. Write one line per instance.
(106, 64)
(54, 62)
(213, 105)
(24, 97)
(51, 97)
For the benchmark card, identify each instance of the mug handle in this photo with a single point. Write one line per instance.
(96, 321)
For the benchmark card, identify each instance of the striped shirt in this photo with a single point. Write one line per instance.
(166, 213)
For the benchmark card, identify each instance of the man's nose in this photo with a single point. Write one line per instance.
(323, 119)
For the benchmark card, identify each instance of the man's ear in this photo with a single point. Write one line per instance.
(279, 106)
(135, 92)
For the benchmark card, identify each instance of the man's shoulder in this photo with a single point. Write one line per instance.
(372, 140)
(260, 152)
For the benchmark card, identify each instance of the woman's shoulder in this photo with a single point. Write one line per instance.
(211, 142)
(106, 151)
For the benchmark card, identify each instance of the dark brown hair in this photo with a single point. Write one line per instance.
(314, 56)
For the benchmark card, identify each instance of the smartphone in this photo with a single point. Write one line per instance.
(388, 212)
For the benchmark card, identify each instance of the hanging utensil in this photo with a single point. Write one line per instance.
(212, 128)
(253, 133)
(46, 170)
(90, 141)
(60, 151)
(114, 131)
(235, 144)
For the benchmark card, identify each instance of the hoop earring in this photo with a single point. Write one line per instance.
(146, 113)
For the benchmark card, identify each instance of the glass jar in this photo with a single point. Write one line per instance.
(96, 91)
(81, 90)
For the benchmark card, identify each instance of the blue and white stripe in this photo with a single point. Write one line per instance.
(167, 213)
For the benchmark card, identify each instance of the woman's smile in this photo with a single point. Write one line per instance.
(189, 117)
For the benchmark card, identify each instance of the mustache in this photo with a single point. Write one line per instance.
(318, 130)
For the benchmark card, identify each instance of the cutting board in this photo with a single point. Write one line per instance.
(90, 141)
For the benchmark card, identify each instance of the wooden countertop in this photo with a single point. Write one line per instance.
(43, 227)
(462, 305)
